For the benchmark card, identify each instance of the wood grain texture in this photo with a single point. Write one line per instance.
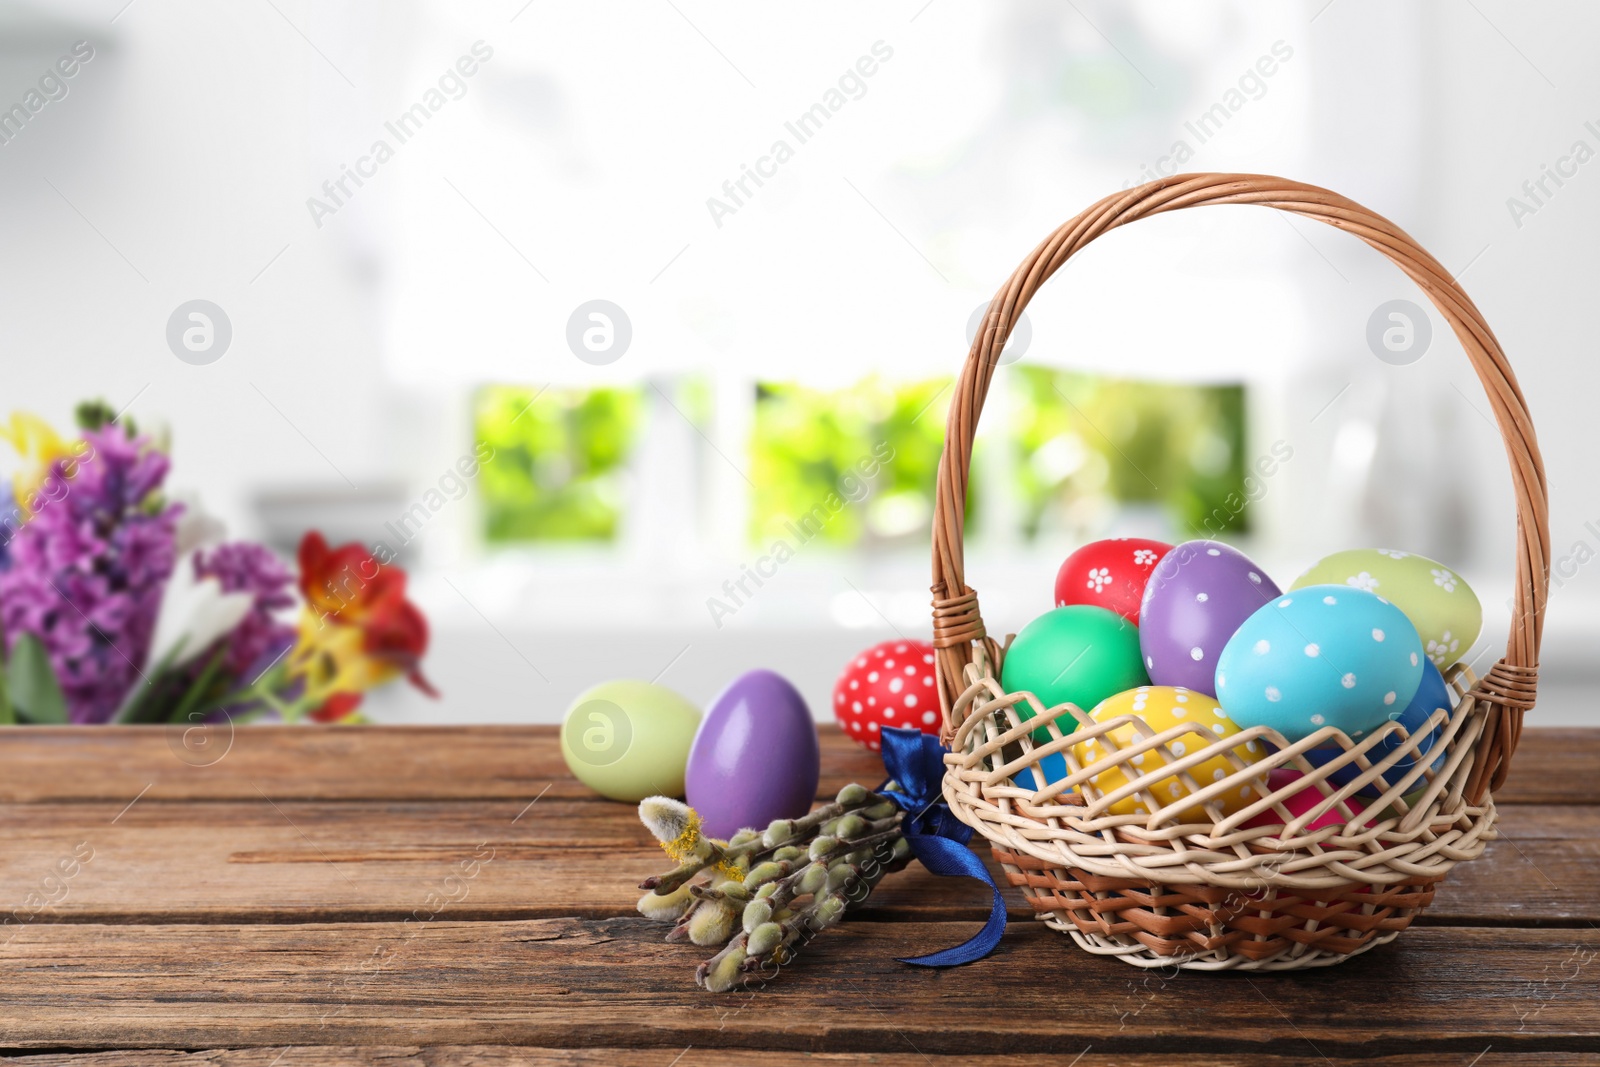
(512, 1056)
(438, 897)
(579, 983)
(113, 764)
(298, 861)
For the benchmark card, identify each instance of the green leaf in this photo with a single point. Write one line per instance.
(8, 713)
(136, 706)
(34, 689)
(97, 414)
(202, 685)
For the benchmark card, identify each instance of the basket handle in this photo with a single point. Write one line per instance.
(1510, 685)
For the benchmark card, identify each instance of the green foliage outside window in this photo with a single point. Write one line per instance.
(559, 460)
(856, 467)
(809, 444)
(1087, 444)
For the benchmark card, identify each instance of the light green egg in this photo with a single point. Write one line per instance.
(1436, 599)
(628, 740)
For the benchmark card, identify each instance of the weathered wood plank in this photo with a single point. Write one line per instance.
(1554, 766)
(98, 763)
(114, 764)
(196, 861)
(297, 861)
(312, 827)
(508, 1056)
(570, 983)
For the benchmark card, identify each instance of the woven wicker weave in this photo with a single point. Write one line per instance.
(1213, 894)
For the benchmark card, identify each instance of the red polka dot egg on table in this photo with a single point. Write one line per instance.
(889, 684)
(1110, 574)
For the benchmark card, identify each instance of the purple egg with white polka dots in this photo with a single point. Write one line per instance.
(1319, 657)
(1195, 599)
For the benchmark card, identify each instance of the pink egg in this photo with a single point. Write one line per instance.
(1303, 801)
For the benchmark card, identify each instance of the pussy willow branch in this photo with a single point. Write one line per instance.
(767, 893)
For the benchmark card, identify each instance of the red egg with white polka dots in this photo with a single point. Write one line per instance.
(1110, 574)
(887, 685)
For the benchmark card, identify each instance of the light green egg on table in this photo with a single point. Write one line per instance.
(628, 740)
(1436, 599)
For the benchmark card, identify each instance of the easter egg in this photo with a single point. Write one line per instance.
(1073, 655)
(1304, 800)
(628, 740)
(1110, 574)
(1432, 695)
(890, 684)
(1436, 599)
(1054, 766)
(1163, 707)
(1413, 800)
(1194, 601)
(1324, 655)
(755, 758)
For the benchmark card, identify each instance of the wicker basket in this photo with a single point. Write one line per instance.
(1213, 894)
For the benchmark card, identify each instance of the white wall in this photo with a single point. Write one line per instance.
(193, 138)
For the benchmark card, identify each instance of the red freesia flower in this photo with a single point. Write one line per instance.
(337, 707)
(346, 583)
(346, 586)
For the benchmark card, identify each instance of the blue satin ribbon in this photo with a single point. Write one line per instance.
(915, 762)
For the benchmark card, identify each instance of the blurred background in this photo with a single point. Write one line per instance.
(679, 274)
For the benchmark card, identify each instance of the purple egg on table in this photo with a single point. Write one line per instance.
(1196, 598)
(755, 757)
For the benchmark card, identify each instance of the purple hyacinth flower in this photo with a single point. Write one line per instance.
(87, 570)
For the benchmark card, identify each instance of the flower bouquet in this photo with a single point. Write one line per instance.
(120, 605)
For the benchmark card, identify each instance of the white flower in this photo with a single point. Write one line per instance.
(197, 527)
(1393, 553)
(1444, 579)
(194, 613)
(1143, 557)
(1099, 577)
(1363, 581)
(1439, 650)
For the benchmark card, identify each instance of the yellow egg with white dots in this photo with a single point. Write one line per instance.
(1160, 708)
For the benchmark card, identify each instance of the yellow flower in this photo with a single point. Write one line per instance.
(332, 658)
(40, 447)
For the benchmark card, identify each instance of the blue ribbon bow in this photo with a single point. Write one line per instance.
(915, 762)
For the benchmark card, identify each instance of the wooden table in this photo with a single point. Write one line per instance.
(446, 896)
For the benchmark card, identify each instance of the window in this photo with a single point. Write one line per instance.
(1081, 454)
(560, 458)
(874, 446)
(1089, 446)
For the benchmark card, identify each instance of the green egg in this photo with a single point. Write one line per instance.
(1436, 599)
(1412, 799)
(1077, 654)
(628, 740)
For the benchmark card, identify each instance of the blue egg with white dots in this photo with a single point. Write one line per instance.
(1432, 695)
(1325, 655)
